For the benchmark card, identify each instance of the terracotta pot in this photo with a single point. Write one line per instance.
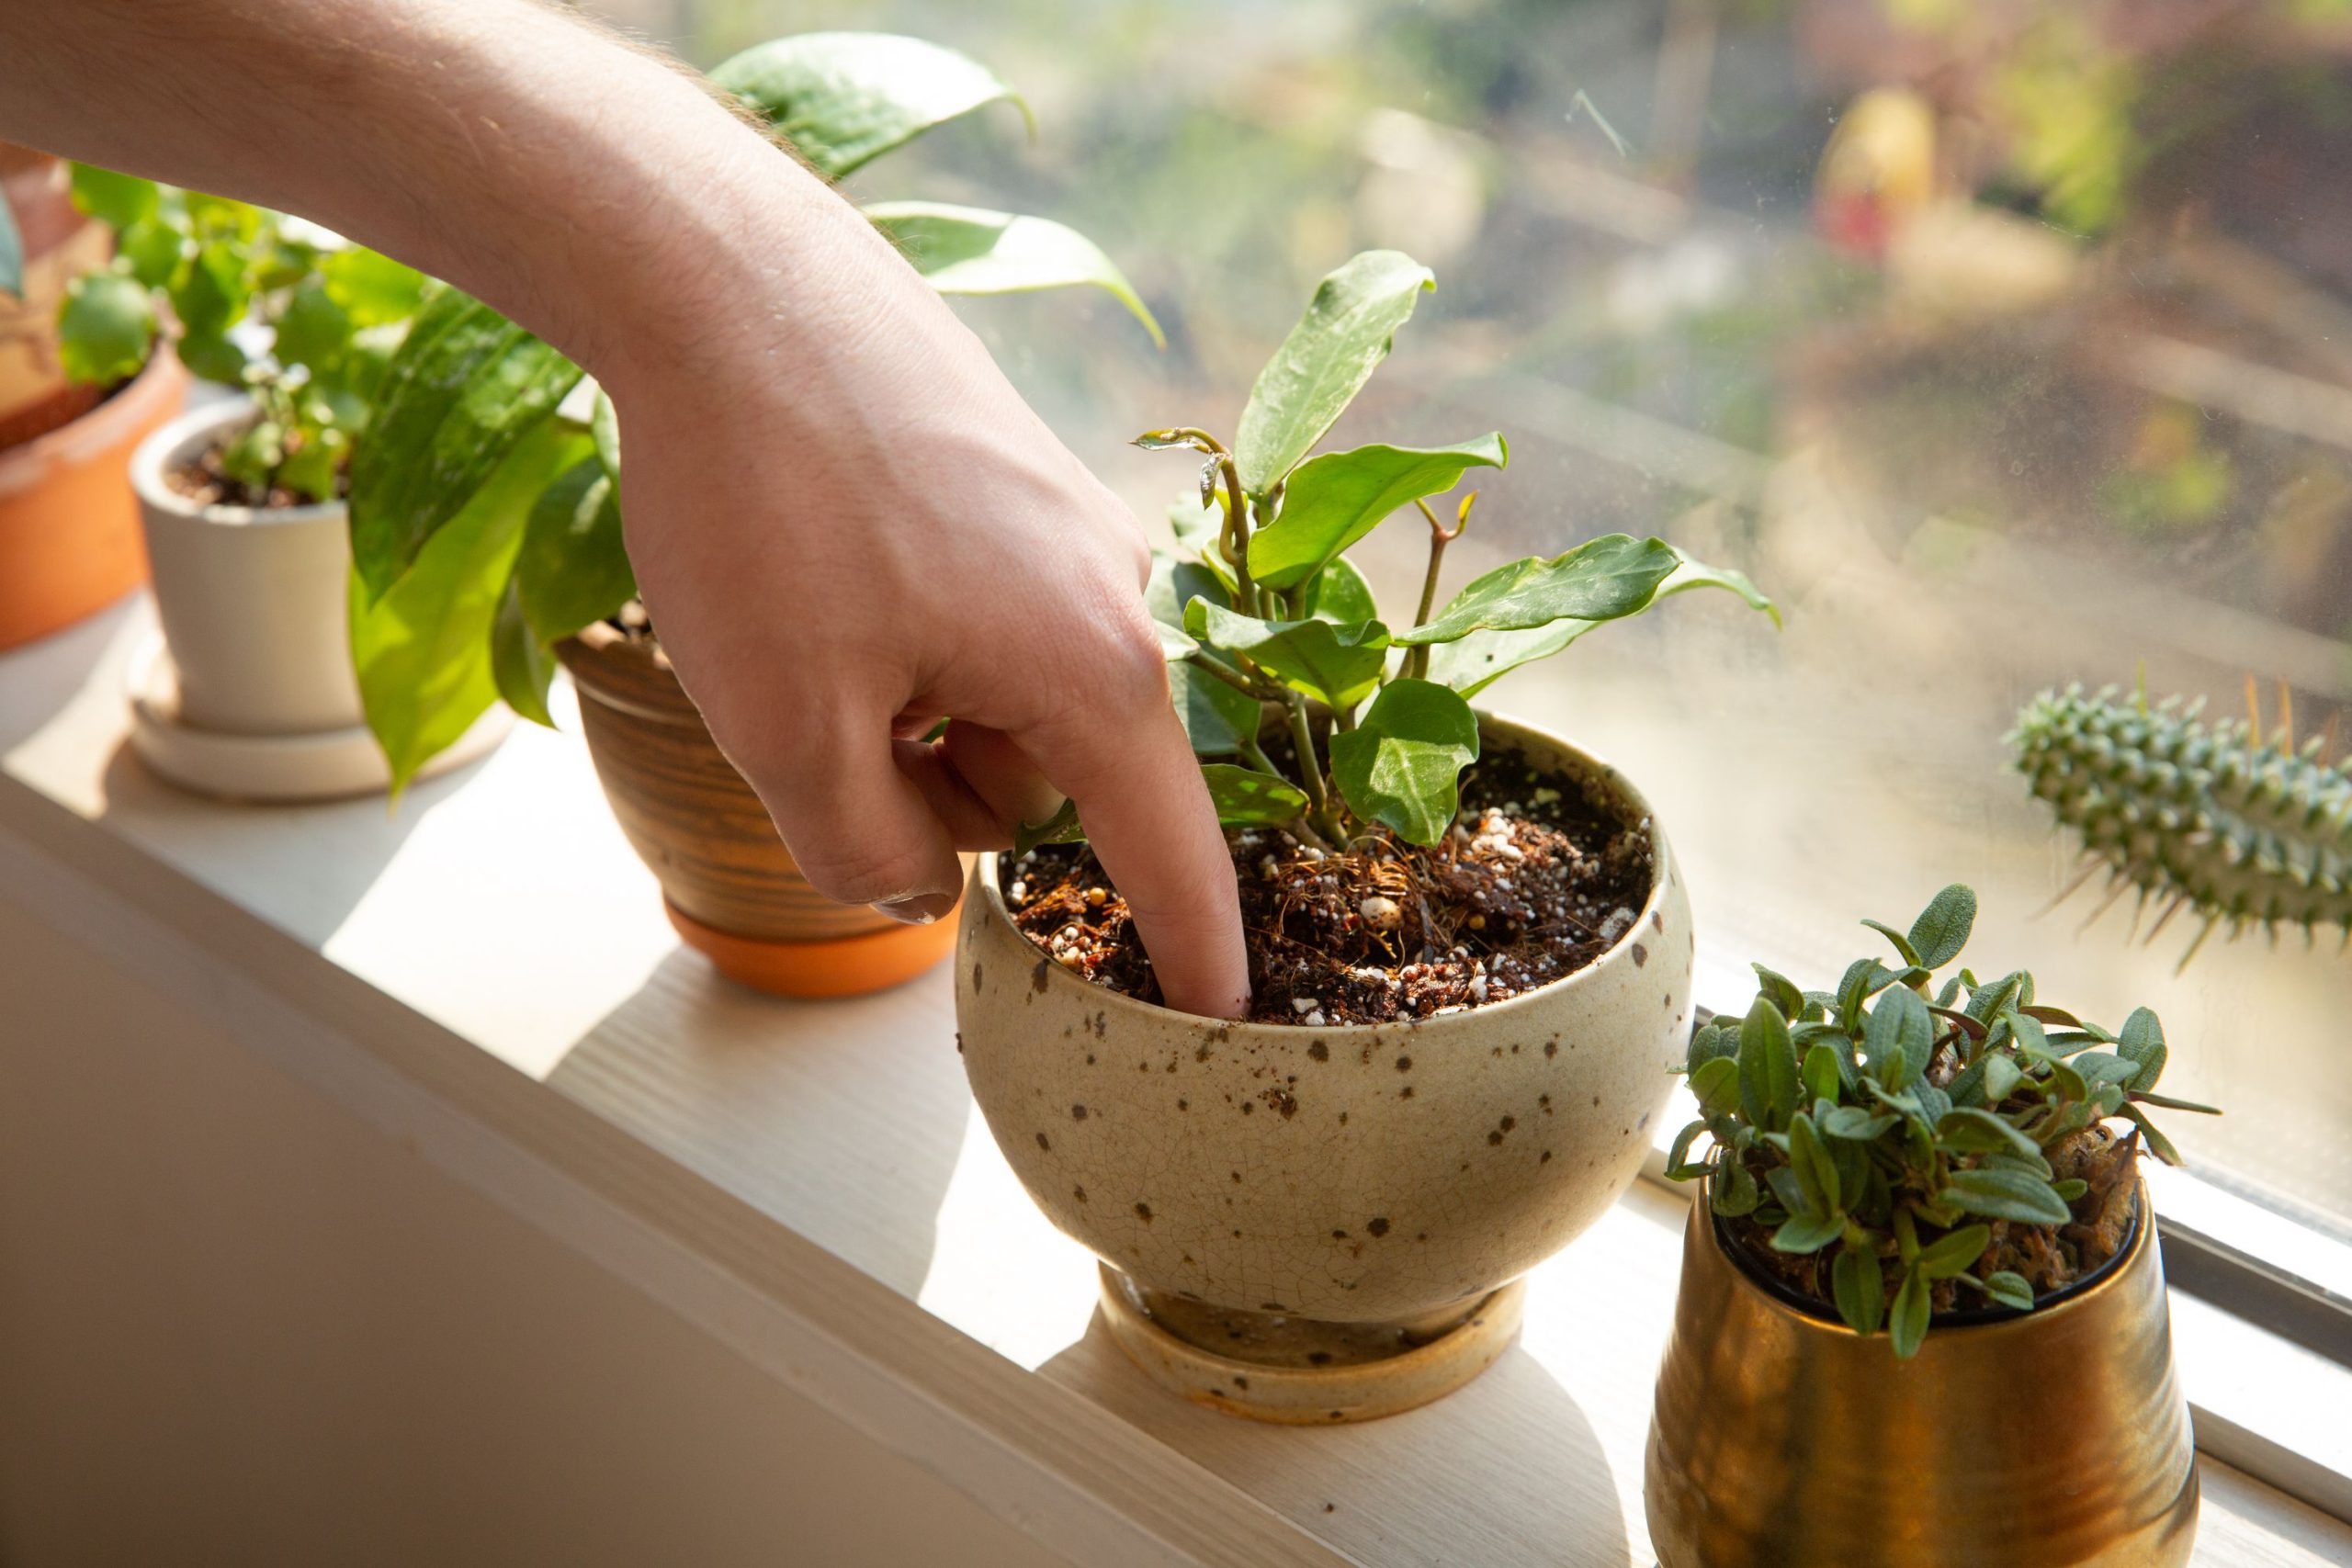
(1318, 1224)
(250, 694)
(69, 527)
(2052, 1438)
(731, 887)
(60, 244)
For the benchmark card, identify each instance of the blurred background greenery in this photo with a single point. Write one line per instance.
(2008, 342)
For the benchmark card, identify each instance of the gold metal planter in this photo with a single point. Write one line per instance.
(2058, 1438)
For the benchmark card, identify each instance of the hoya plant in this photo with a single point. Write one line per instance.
(485, 503)
(1260, 605)
(2214, 819)
(1897, 1146)
(330, 315)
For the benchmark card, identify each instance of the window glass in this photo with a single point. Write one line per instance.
(2008, 342)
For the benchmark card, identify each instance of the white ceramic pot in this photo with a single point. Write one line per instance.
(253, 600)
(1380, 1175)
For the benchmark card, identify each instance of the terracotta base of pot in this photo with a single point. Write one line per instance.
(279, 770)
(1298, 1372)
(841, 967)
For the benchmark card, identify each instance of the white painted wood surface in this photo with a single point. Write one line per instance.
(807, 1183)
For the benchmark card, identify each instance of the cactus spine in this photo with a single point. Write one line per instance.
(2239, 830)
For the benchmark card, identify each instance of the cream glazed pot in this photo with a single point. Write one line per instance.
(1320, 1223)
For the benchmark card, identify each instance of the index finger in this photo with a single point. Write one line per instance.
(1148, 817)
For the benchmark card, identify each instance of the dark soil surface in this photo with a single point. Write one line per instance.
(2049, 1256)
(1533, 882)
(203, 483)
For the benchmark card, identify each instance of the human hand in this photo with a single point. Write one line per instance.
(845, 522)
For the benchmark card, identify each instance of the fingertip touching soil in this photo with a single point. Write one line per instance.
(1533, 882)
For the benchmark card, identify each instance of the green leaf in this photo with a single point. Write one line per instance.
(1246, 798)
(2142, 1042)
(1854, 1124)
(1981, 1132)
(2158, 1144)
(422, 650)
(116, 200)
(1601, 580)
(1062, 828)
(1902, 943)
(1400, 765)
(106, 328)
(2001, 1194)
(1956, 1253)
(465, 388)
(1338, 665)
(1217, 717)
(1816, 1171)
(1860, 1292)
(842, 99)
(1689, 574)
(964, 250)
(1715, 1083)
(604, 427)
(312, 331)
(1909, 1326)
(1822, 1080)
(1942, 927)
(12, 255)
(1341, 595)
(1784, 992)
(1767, 1067)
(1734, 1191)
(2001, 1075)
(2010, 1289)
(520, 664)
(1332, 500)
(1173, 585)
(1324, 362)
(1898, 1038)
(1676, 1158)
(1807, 1233)
(573, 569)
(371, 287)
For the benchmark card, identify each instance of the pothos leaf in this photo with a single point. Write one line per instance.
(1246, 798)
(1332, 500)
(964, 250)
(1400, 765)
(1324, 362)
(1338, 665)
(842, 99)
(1217, 717)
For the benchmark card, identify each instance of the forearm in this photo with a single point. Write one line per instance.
(592, 192)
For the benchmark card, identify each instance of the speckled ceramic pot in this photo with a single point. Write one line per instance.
(1382, 1175)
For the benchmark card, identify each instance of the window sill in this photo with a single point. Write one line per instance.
(810, 1184)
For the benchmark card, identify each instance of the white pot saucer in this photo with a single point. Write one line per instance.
(323, 765)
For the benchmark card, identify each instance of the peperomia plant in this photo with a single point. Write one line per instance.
(1893, 1143)
(1262, 605)
(334, 313)
(485, 516)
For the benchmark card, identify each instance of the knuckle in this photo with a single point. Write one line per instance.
(850, 871)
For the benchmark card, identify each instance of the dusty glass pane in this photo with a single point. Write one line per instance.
(2040, 372)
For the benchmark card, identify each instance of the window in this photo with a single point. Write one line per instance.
(2046, 378)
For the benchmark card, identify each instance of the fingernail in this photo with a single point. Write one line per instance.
(922, 909)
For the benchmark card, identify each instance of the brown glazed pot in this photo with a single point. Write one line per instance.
(60, 244)
(2055, 1439)
(731, 887)
(69, 522)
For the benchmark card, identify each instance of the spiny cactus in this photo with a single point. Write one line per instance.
(2207, 817)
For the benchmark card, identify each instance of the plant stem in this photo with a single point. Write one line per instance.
(1255, 755)
(1417, 661)
(1318, 794)
(1262, 692)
